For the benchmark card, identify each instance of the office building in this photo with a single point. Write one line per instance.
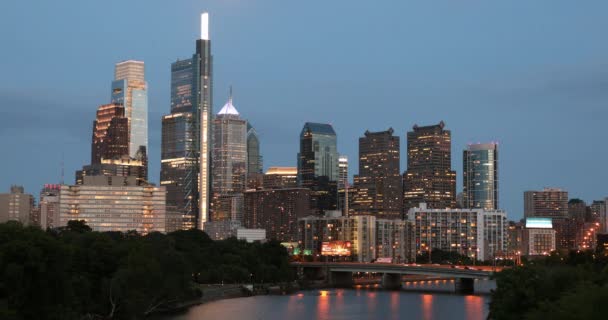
(110, 138)
(16, 206)
(186, 135)
(318, 165)
(130, 90)
(280, 178)
(429, 177)
(229, 162)
(480, 176)
(277, 211)
(108, 206)
(254, 157)
(378, 184)
(476, 233)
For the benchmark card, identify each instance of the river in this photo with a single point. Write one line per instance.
(432, 301)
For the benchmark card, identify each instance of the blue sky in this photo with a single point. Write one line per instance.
(532, 75)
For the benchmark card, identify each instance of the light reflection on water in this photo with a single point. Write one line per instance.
(343, 304)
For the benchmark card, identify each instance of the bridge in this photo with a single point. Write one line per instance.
(340, 274)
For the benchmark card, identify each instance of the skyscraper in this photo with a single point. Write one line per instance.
(130, 89)
(229, 163)
(203, 60)
(378, 184)
(318, 165)
(110, 138)
(342, 171)
(186, 136)
(254, 158)
(480, 176)
(429, 177)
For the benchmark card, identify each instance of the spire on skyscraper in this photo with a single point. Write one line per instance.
(204, 26)
(229, 108)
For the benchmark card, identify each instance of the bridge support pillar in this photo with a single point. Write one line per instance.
(341, 279)
(464, 286)
(391, 281)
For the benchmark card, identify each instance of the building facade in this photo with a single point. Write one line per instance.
(254, 156)
(186, 136)
(113, 208)
(49, 206)
(130, 90)
(16, 206)
(318, 165)
(370, 238)
(477, 233)
(229, 162)
(378, 184)
(277, 211)
(429, 177)
(280, 178)
(480, 176)
(549, 203)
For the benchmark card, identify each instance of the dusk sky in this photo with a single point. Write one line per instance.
(532, 75)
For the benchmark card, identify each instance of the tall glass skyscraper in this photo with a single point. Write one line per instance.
(254, 157)
(318, 165)
(229, 163)
(129, 88)
(318, 153)
(186, 137)
(480, 176)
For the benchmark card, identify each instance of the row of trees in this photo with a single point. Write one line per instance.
(79, 274)
(574, 286)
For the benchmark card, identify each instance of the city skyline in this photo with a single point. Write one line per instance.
(280, 140)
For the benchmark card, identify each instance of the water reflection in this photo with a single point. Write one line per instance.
(355, 304)
(323, 305)
(473, 307)
(427, 306)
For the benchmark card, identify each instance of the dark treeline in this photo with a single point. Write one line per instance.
(574, 286)
(79, 274)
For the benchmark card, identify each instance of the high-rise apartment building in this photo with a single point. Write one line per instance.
(229, 162)
(369, 238)
(548, 203)
(16, 206)
(130, 89)
(277, 211)
(480, 176)
(476, 233)
(429, 177)
(186, 135)
(378, 184)
(318, 165)
(342, 171)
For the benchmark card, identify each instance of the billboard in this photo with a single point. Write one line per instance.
(539, 223)
(336, 248)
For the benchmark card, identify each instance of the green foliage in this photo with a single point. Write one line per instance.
(558, 287)
(78, 274)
